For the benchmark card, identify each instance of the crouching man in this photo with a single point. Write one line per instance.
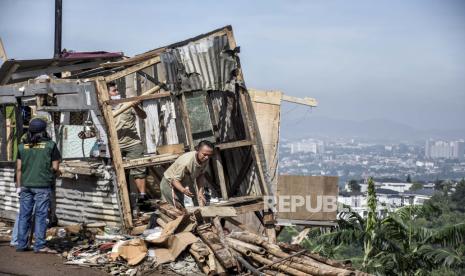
(186, 177)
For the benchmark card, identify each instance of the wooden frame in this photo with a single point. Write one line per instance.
(117, 159)
(134, 65)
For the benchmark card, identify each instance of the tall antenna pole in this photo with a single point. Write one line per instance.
(58, 17)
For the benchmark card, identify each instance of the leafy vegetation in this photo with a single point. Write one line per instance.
(413, 240)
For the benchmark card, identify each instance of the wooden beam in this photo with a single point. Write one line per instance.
(250, 124)
(303, 101)
(140, 98)
(235, 144)
(3, 55)
(133, 69)
(240, 225)
(186, 122)
(115, 150)
(290, 222)
(8, 74)
(259, 206)
(269, 222)
(214, 211)
(150, 161)
(132, 103)
(218, 166)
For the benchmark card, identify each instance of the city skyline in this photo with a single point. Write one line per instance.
(395, 60)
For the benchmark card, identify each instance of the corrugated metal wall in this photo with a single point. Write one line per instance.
(88, 199)
(9, 202)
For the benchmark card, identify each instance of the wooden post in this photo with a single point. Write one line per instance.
(250, 125)
(116, 157)
(269, 222)
(218, 166)
(186, 122)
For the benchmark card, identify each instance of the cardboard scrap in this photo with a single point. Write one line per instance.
(180, 224)
(175, 245)
(133, 251)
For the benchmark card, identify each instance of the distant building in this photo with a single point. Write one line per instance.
(400, 187)
(308, 146)
(445, 149)
(388, 200)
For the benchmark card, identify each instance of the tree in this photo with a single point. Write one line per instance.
(409, 179)
(416, 186)
(398, 244)
(458, 197)
(354, 186)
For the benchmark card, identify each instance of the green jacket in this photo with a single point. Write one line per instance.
(36, 163)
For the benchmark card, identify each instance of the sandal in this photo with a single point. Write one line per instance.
(46, 250)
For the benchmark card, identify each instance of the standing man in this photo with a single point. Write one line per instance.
(186, 177)
(128, 138)
(37, 165)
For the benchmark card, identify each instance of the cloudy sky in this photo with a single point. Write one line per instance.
(394, 59)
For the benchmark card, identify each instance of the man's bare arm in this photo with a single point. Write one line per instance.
(178, 186)
(56, 167)
(18, 173)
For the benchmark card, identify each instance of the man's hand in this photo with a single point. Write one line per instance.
(18, 190)
(187, 192)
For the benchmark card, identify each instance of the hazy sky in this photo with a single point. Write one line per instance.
(398, 60)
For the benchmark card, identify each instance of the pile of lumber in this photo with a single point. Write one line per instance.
(218, 252)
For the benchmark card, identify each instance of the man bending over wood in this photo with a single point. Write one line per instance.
(186, 177)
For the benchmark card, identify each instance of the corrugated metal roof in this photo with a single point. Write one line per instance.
(207, 64)
(16, 67)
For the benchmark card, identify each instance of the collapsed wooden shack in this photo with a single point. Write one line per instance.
(192, 90)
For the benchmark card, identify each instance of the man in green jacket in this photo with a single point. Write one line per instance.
(37, 165)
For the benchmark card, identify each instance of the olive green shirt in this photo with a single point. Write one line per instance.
(126, 128)
(185, 169)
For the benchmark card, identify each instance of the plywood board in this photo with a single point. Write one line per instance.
(267, 108)
(310, 187)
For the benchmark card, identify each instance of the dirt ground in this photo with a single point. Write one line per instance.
(29, 263)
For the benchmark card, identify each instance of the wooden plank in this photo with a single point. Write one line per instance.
(267, 109)
(141, 98)
(150, 161)
(115, 150)
(214, 211)
(130, 104)
(259, 206)
(291, 222)
(239, 200)
(269, 222)
(133, 69)
(8, 74)
(250, 124)
(318, 197)
(3, 55)
(213, 241)
(219, 172)
(235, 144)
(239, 225)
(186, 122)
(303, 101)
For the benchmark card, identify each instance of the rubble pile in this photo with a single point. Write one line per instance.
(185, 243)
